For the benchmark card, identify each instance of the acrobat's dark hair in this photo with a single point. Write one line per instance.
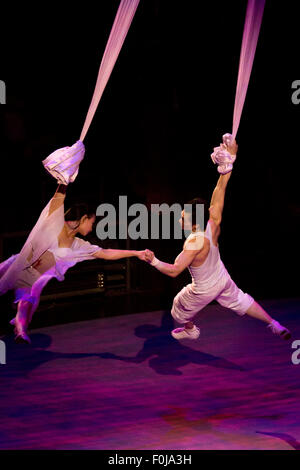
(193, 210)
(76, 211)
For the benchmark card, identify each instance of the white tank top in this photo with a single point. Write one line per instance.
(209, 273)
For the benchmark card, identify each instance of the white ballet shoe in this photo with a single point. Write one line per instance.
(279, 330)
(186, 333)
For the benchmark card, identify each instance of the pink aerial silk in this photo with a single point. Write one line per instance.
(124, 17)
(255, 9)
(63, 164)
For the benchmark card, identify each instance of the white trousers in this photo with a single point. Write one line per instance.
(187, 303)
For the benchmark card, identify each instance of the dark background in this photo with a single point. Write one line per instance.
(168, 102)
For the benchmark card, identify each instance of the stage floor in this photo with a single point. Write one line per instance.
(125, 383)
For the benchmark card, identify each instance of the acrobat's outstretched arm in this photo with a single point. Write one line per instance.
(218, 197)
(112, 254)
(224, 156)
(58, 198)
(63, 165)
(183, 260)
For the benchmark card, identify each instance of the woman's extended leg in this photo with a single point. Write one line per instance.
(22, 321)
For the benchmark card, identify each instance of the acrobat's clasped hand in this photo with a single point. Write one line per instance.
(150, 257)
(225, 154)
(63, 164)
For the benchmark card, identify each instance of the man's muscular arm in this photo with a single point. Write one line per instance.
(217, 200)
(218, 196)
(183, 260)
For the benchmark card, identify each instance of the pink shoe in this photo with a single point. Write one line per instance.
(186, 333)
(279, 330)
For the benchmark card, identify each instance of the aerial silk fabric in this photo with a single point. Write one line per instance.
(124, 17)
(254, 13)
(63, 164)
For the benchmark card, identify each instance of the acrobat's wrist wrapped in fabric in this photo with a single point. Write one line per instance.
(227, 139)
(63, 164)
(222, 157)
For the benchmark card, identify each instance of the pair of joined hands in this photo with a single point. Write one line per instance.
(145, 255)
